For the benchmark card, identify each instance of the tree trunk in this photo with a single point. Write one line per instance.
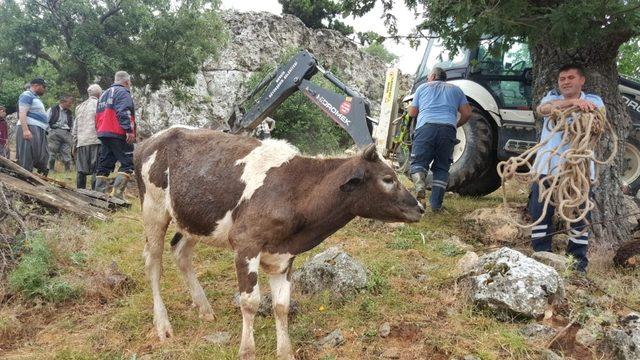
(599, 60)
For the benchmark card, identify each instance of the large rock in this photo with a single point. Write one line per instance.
(256, 39)
(511, 283)
(558, 262)
(497, 223)
(332, 270)
(624, 342)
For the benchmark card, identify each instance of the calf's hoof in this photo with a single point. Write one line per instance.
(164, 330)
(247, 354)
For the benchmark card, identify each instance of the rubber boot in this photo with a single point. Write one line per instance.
(418, 179)
(52, 165)
(81, 181)
(102, 182)
(119, 184)
(93, 181)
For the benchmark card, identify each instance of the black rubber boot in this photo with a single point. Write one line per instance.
(102, 182)
(418, 179)
(52, 165)
(93, 181)
(81, 181)
(120, 184)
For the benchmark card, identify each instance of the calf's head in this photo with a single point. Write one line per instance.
(374, 191)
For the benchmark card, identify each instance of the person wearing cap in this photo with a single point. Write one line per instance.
(31, 135)
(86, 139)
(436, 105)
(4, 131)
(59, 137)
(116, 128)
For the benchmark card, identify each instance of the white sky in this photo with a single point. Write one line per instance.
(409, 58)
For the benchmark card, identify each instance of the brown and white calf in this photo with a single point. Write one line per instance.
(260, 198)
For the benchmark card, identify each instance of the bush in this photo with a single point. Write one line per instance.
(34, 277)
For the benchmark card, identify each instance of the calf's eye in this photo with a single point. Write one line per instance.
(387, 180)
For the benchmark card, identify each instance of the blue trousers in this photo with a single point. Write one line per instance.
(541, 240)
(432, 148)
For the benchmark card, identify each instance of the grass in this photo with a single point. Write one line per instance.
(410, 285)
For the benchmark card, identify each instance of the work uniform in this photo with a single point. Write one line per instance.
(435, 135)
(547, 163)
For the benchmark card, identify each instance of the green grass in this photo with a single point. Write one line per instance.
(410, 268)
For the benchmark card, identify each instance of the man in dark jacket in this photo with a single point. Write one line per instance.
(116, 129)
(59, 139)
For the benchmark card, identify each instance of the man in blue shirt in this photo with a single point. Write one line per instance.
(31, 136)
(571, 79)
(436, 103)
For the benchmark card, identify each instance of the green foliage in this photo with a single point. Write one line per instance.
(300, 121)
(33, 275)
(566, 23)
(629, 58)
(156, 41)
(378, 50)
(317, 14)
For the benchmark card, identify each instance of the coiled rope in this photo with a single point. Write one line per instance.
(568, 188)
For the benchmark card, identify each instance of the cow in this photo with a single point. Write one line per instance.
(262, 199)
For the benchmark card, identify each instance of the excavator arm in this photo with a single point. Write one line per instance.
(350, 111)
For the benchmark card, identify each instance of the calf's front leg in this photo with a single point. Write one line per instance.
(281, 294)
(247, 265)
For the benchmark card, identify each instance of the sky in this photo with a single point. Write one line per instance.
(409, 58)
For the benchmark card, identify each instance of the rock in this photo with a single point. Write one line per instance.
(467, 262)
(558, 262)
(547, 354)
(496, 225)
(511, 283)
(332, 270)
(384, 330)
(588, 335)
(455, 240)
(624, 342)
(266, 305)
(535, 331)
(219, 338)
(334, 339)
(422, 277)
(391, 353)
(256, 40)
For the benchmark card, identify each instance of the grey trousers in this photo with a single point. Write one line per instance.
(60, 144)
(33, 153)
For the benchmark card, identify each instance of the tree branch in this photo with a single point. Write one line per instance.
(44, 56)
(110, 13)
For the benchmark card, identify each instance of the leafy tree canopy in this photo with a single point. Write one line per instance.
(156, 41)
(567, 23)
(317, 14)
(629, 58)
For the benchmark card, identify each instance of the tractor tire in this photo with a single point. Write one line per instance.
(473, 172)
(631, 164)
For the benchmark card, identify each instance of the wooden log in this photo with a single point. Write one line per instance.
(53, 197)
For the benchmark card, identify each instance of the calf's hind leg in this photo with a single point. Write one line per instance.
(182, 248)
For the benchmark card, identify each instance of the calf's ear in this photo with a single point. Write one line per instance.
(356, 178)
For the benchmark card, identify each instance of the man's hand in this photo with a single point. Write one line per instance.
(585, 105)
(131, 138)
(26, 134)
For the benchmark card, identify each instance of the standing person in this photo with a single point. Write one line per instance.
(31, 135)
(571, 79)
(59, 139)
(85, 138)
(4, 131)
(436, 104)
(116, 128)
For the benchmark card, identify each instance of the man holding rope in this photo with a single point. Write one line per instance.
(571, 79)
